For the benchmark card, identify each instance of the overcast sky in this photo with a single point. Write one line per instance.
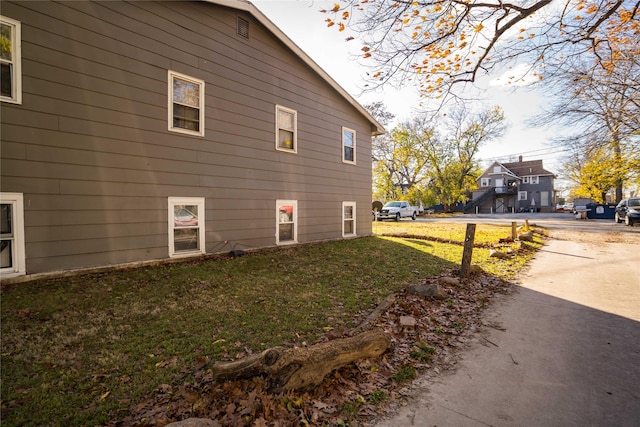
(302, 22)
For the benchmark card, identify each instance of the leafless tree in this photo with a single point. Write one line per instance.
(603, 104)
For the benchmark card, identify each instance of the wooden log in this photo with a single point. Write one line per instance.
(381, 308)
(302, 368)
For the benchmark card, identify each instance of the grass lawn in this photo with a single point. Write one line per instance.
(81, 350)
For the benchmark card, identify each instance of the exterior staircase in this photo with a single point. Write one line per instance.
(471, 206)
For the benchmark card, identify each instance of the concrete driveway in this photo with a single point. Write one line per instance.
(563, 350)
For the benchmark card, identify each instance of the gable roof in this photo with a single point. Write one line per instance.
(518, 169)
(525, 168)
(503, 170)
(248, 7)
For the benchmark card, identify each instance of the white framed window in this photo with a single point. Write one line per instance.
(286, 222)
(522, 195)
(186, 226)
(525, 180)
(348, 145)
(497, 169)
(186, 104)
(12, 253)
(485, 182)
(286, 129)
(534, 179)
(10, 61)
(348, 219)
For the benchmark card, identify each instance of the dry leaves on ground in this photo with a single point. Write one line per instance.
(353, 395)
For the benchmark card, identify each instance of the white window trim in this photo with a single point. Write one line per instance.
(525, 180)
(170, 77)
(293, 203)
(522, 195)
(497, 169)
(295, 130)
(198, 201)
(18, 256)
(344, 160)
(16, 83)
(353, 205)
(485, 182)
(535, 179)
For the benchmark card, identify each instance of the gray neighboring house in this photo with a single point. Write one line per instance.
(150, 130)
(514, 187)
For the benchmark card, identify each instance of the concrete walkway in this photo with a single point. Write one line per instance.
(564, 350)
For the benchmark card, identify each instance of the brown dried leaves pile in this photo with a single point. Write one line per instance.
(353, 395)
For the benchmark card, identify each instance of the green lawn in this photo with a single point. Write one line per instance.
(81, 350)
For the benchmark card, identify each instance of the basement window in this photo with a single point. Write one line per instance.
(186, 226)
(286, 221)
(348, 219)
(12, 238)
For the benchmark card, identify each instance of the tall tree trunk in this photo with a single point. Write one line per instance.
(617, 154)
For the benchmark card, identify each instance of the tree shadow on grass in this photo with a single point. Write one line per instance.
(108, 339)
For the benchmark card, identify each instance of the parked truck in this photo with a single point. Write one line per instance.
(398, 209)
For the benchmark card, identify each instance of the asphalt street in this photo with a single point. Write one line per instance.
(562, 350)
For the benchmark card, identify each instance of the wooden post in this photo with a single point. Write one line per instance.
(514, 230)
(469, 237)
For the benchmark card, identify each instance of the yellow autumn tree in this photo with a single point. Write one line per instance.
(427, 162)
(598, 175)
(602, 105)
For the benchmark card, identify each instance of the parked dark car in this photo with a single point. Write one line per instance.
(628, 210)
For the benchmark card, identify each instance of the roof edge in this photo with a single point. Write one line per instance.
(511, 172)
(249, 7)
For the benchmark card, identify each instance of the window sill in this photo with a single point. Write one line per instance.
(11, 101)
(186, 132)
(287, 150)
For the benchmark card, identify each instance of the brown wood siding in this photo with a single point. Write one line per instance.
(90, 149)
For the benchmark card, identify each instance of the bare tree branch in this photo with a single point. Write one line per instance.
(438, 44)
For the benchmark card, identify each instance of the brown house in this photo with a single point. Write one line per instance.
(514, 187)
(139, 131)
